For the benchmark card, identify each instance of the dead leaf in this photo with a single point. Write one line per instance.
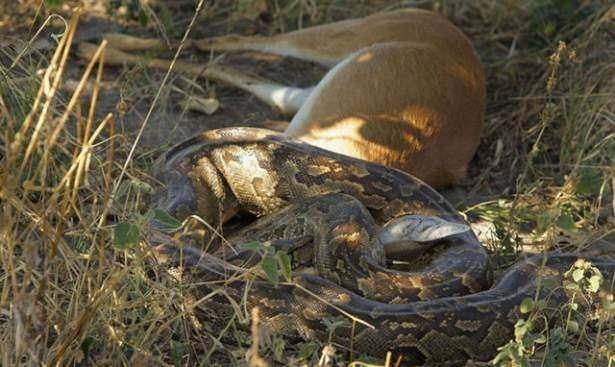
(205, 105)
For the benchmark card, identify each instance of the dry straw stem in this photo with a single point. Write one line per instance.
(8, 116)
(47, 90)
(83, 164)
(252, 356)
(35, 36)
(85, 150)
(45, 219)
(50, 142)
(76, 328)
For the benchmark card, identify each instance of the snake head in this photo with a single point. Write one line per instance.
(178, 196)
(410, 235)
(421, 228)
(192, 185)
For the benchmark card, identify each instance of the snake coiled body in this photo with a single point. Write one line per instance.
(443, 313)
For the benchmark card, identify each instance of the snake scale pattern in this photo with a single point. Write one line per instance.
(443, 313)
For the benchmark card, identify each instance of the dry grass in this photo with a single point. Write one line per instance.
(543, 173)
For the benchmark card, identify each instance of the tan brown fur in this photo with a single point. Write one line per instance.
(432, 131)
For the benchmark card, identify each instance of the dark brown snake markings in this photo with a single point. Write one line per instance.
(442, 314)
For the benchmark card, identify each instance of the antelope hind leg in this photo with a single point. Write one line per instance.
(285, 98)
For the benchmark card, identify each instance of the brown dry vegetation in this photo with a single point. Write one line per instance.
(543, 176)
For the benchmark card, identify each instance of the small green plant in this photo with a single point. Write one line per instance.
(516, 352)
(178, 350)
(134, 10)
(126, 234)
(552, 19)
(581, 282)
(273, 263)
(53, 3)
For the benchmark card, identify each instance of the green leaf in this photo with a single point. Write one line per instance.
(141, 186)
(541, 304)
(527, 305)
(521, 329)
(334, 322)
(506, 353)
(594, 283)
(128, 185)
(125, 236)
(279, 345)
(306, 350)
(566, 222)
(123, 188)
(609, 306)
(578, 274)
(87, 344)
(166, 220)
(548, 283)
(589, 181)
(573, 326)
(268, 249)
(284, 264)
(53, 2)
(143, 18)
(166, 18)
(549, 29)
(544, 221)
(268, 264)
(177, 352)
